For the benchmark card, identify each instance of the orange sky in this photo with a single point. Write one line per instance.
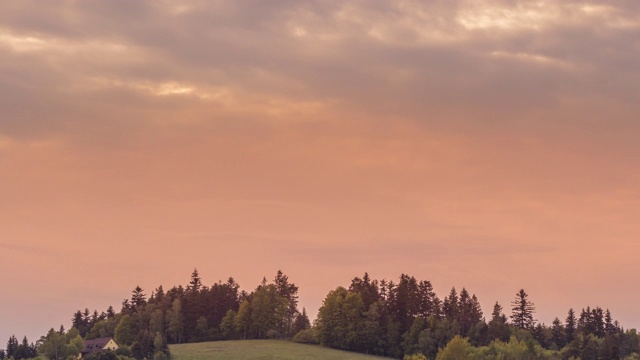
(485, 144)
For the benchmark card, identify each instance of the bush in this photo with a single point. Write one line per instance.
(272, 334)
(415, 357)
(160, 356)
(102, 355)
(306, 336)
(124, 350)
(457, 349)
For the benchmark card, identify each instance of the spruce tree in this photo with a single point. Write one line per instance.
(195, 283)
(498, 328)
(522, 311)
(558, 333)
(12, 346)
(450, 305)
(610, 329)
(570, 326)
(138, 298)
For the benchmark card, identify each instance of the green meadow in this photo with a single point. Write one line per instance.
(260, 350)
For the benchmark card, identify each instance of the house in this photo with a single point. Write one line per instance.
(99, 344)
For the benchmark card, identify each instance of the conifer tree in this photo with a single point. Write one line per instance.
(609, 328)
(301, 322)
(450, 305)
(558, 336)
(570, 326)
(195, 283)
(498, 327)
(110, 312)
(138, 298)
(522, 311)
(12, 346)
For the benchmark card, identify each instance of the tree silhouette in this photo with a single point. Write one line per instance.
(522, 311)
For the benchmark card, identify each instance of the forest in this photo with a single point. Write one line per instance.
(404, 320)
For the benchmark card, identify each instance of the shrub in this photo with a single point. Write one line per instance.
(306, 336)
(415, 357)
(273, 334)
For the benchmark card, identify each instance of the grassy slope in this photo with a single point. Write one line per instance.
(260, 350)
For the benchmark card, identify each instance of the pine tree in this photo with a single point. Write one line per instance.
(609, 328)
(522, 311)
(450, 305)
(570, 326)
(138, 298)
(558, 336)
(110, 312)
(464, 311)
(498, 328)
(366, 288)
(12, 346)
(429, 302)
(195, 283)
(598, 322)
(301, 322)
(94, 319)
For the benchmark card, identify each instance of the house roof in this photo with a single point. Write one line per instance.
(95, 344)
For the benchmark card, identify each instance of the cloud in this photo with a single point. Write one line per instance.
(407, 58)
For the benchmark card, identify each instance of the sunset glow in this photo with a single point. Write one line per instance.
(492, 145)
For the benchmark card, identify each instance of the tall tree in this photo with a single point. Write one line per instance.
(522, 311)
(110, 312)
(598, 322)
(125, 333)
(429, 302)
(175, 319)
(469, 312)
(288, 291)
(450, 305)
(242, 320)
(331, 328)
(570, 326)
(301, 322)
(268, 310)
(498, 327)
(227, 325)
(367, 289)
(195, 283)
(138, 298)
(53, 346)
(609, 327)
(78, 323)
(558, 336)
(12, 346)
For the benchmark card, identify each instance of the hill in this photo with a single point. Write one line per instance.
(261, 350)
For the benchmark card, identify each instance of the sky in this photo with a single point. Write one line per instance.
(491, 145)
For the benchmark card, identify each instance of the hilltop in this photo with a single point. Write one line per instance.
(261, 349)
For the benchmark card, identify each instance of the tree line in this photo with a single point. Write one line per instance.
(407, 320)
(403, 319)
(145, 325)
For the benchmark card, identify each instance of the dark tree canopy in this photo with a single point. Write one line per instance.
(382, 317)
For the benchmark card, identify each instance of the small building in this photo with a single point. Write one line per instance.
(99, 344)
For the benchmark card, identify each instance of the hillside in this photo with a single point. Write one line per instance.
(260, 350)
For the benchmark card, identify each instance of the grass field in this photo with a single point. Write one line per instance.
(260, 350)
